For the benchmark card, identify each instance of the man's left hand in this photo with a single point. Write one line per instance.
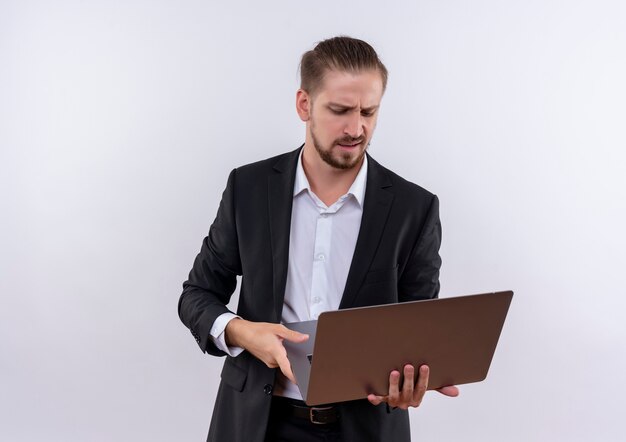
(411, 394)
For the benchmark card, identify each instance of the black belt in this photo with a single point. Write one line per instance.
(323, 415)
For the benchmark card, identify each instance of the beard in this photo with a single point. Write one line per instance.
(341, 160)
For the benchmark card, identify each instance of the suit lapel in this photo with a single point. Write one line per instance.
(280, 202)
(375, 212)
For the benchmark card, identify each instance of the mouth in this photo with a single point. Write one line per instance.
(351, 145)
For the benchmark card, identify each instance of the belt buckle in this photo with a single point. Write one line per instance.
(312, 411)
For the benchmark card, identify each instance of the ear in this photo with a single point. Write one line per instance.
(303, 104)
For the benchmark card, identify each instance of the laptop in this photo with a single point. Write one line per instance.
(350, 352)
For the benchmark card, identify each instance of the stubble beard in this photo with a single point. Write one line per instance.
(345, 160)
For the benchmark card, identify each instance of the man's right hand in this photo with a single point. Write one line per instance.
(265, 341)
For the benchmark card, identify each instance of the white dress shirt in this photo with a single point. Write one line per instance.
(321, 245)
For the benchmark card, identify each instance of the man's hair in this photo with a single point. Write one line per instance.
(341, 54)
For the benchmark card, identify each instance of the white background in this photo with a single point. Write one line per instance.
(119, 123)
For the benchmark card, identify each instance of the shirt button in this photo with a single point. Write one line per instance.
(321, 257)
(267, 389)
(316, 300)
(324, 215)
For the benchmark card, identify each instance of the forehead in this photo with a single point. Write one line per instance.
(352, 88)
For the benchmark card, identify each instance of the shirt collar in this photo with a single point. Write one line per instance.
(357, 189)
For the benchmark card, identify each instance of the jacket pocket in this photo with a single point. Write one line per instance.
(234, 375)
(381, 275)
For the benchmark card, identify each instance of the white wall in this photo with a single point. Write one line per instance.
(119, 122)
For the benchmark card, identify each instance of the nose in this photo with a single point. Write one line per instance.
(354, 125)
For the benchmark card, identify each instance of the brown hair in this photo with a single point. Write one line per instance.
(338, 53)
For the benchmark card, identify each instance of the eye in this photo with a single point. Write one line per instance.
(368, 113)
(338, 111)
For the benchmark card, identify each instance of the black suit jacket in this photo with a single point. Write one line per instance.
(396, 259)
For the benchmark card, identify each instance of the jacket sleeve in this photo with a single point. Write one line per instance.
(213, 278)
(420, 278)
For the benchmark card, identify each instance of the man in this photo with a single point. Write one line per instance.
(320, 228)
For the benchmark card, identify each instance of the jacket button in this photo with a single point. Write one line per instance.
(267, 389)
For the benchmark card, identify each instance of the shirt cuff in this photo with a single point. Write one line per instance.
(219, 336)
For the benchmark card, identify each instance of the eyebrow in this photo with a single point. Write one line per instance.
(343, 106)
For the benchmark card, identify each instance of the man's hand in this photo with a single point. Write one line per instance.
(411, 395)
(264, 341)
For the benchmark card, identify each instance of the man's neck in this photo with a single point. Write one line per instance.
(327, 182)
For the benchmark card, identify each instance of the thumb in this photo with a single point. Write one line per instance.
(285, 367)
(291, 335)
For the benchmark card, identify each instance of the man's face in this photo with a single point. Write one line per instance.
(343, 114)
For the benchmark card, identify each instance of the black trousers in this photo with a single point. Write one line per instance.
(283, 427)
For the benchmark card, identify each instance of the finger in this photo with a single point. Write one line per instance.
(408, 384)
(375, 400)
(394, 389)
(291, 335)
(422, 384)
(285, 367)
(449, 390)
